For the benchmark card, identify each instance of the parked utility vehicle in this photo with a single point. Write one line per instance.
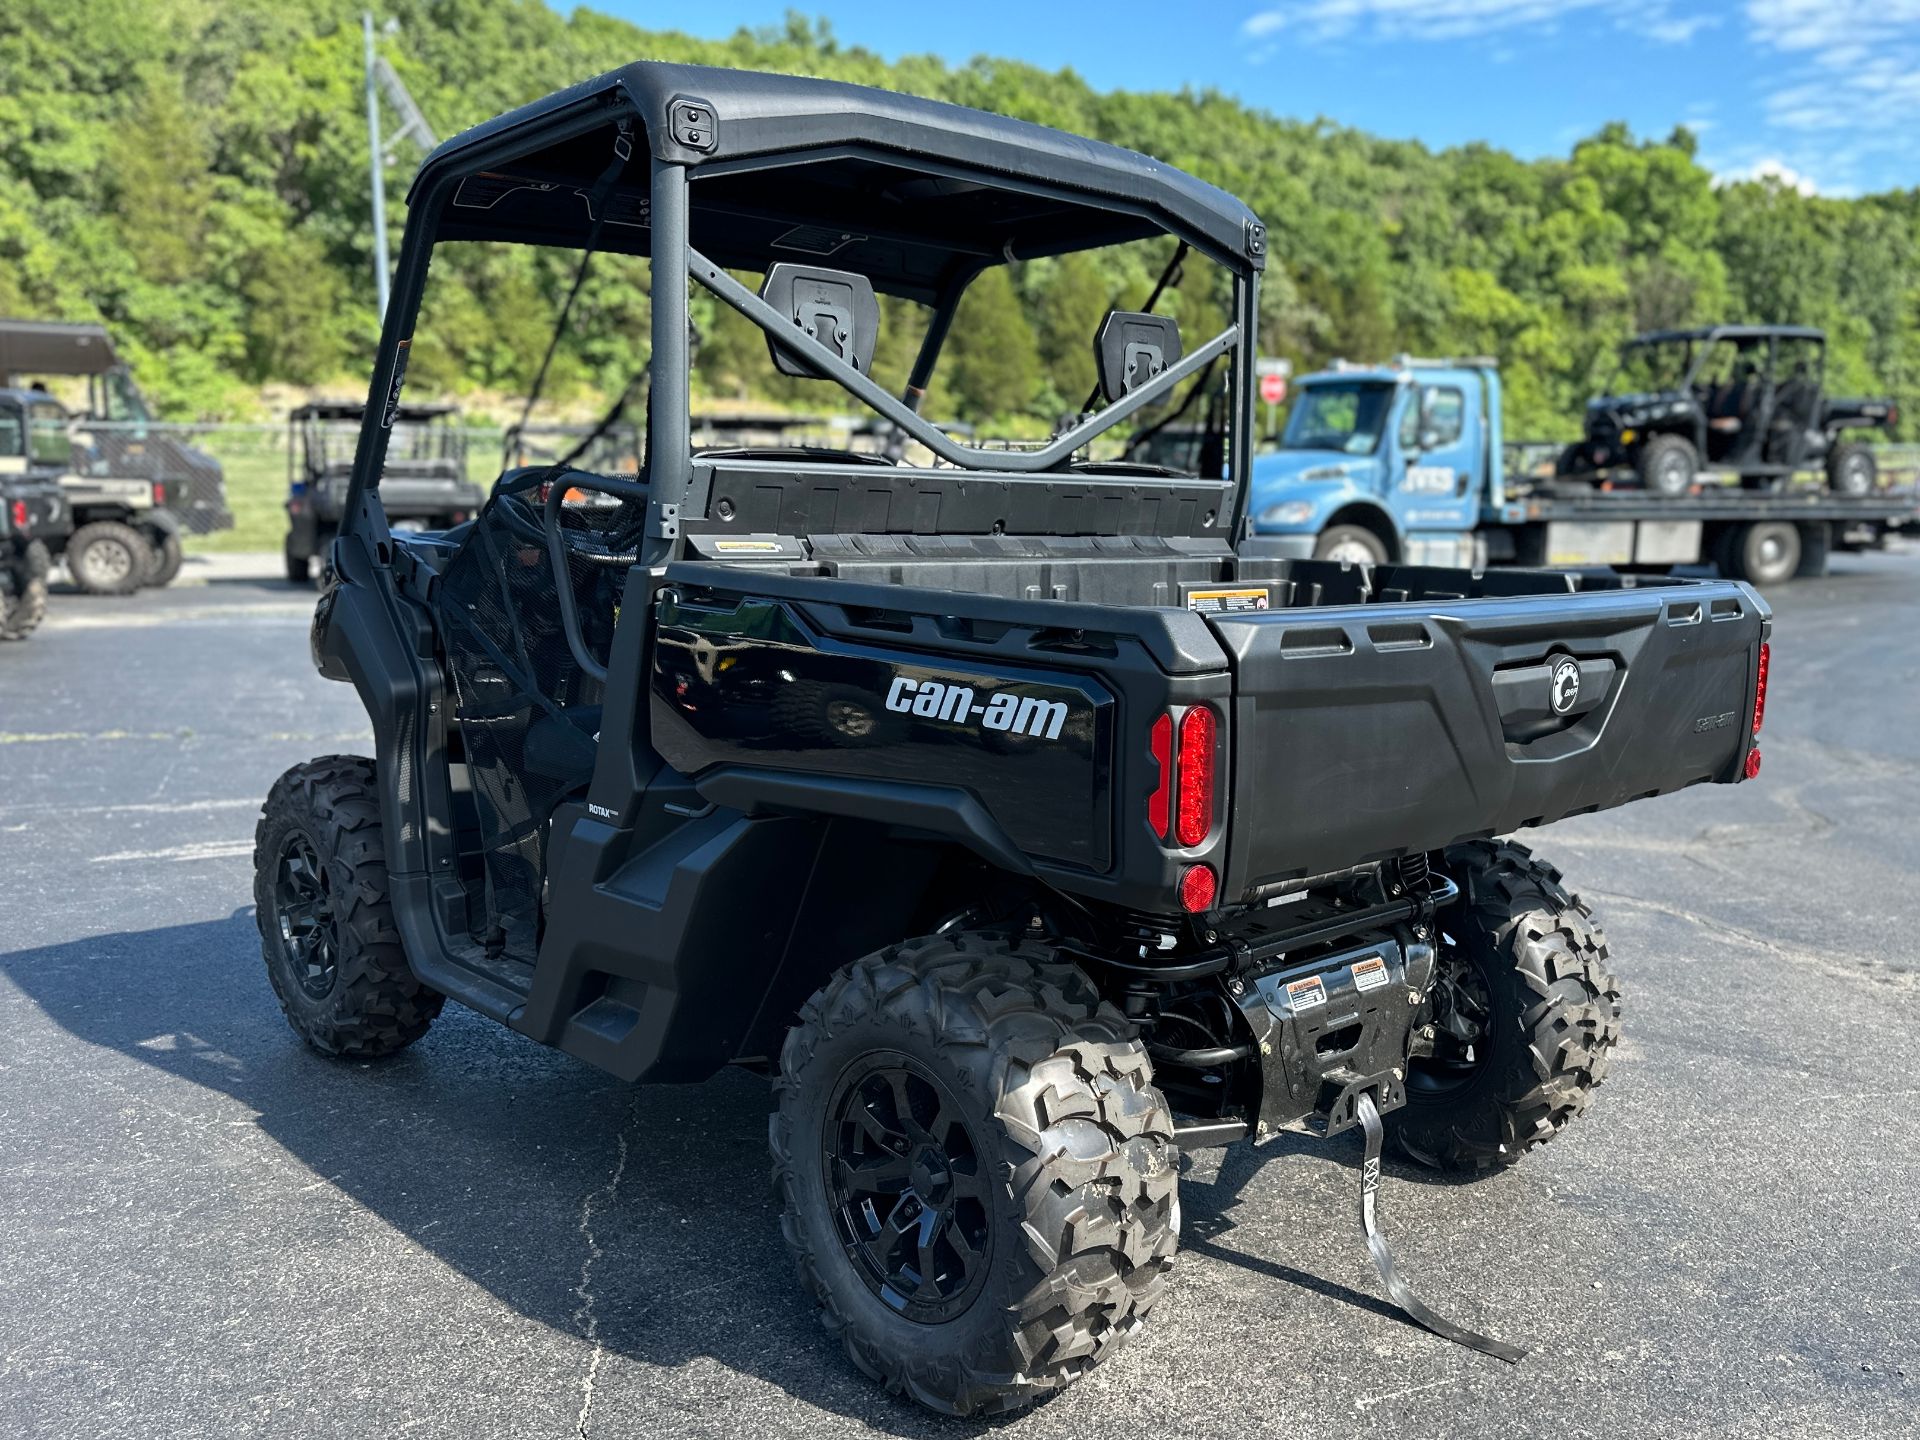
(1022, 826)
(425, 485)
(134, 486)
(33, 513)
(1746, 401)
(1408, 462)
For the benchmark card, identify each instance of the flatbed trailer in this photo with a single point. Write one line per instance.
(1763, 536)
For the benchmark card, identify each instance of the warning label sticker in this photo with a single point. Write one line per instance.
(1370, 973)
(1307, 993)
(1215, 602)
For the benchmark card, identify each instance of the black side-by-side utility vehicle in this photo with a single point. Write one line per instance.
(1021, 819)
(34, 515)
(1744, 401)
(424, 487)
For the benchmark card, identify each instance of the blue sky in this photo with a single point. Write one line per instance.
(1825, 92)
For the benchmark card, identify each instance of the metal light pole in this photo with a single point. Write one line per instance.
(374, 162)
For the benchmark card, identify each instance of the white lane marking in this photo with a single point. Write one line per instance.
(137, 807)
(186, 615)
(199, 850)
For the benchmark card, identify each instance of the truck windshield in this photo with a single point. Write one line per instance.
(1348, 417)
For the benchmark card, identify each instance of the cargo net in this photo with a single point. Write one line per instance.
(528, 714)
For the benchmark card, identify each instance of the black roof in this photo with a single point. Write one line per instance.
(54, 347)
(354, 409)
(910, 192)
(1732, 332)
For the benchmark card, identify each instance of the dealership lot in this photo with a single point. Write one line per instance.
(214, 1232)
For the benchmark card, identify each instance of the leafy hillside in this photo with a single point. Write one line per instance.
(193, 173)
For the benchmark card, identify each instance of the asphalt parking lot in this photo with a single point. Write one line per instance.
(210, 1231)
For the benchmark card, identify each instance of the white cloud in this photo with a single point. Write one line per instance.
(1318, 21)
(1857, 67)
(1770, 169)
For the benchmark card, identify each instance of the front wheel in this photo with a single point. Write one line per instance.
(321, 900)
(1667, 465)
(977, 1175)
(1350, 545)
(1525, 1015)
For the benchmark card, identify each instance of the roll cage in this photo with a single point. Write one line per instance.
(917, 196)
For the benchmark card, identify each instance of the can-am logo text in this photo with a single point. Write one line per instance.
(958, 705)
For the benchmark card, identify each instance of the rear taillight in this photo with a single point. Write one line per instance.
(1753, 762)
(1760, 687)
(159, 493)
(1159, 804)
(19, 512)
(1193, 777)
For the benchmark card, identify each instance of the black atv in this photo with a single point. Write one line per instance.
(1741, 401)
(1023, 823)
(34, 516)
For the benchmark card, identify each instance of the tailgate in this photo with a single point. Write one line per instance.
(1365, 731)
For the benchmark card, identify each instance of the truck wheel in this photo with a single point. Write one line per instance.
(109, 558)
(1851, 469)
(167, 559)
(828, 714)
(320, 898)
(1667, 465)
(1525, 1011)
(1350, 545)
(23, 594)
(1764, 552)
(977, 1175)
(299, 569)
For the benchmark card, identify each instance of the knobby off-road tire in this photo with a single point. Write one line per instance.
(1525, 951)
(1072, 1162)
(109, 558)
(23, 594)
(1667, 465)
(1852, 469)
(167, 559)
(326, 921)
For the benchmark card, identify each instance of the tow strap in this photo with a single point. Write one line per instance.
(1403, 1296)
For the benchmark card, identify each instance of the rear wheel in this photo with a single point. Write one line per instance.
(1350, 545)
(1852, 469)
(1525, 1014)
(321, 901)
(1764, 552)
(109, 558)
(1667, 465)
(167, 559)
(976, 1173)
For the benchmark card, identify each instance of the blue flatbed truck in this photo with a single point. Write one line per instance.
(1407, 462)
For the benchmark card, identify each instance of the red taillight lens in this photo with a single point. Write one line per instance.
(1159, 805)
(1760, 687)
(1753, 762)
(19, 514)
(1193, 814)
(1197, 888)
(159, 493)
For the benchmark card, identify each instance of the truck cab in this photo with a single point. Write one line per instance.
(1381, 464)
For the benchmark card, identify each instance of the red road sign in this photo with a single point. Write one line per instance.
(1273, 388)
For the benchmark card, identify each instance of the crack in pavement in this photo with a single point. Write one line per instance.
(586, 1316)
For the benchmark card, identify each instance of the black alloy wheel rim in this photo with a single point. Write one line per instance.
(303, 905)
(1462, 1020)
(908, 1187)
